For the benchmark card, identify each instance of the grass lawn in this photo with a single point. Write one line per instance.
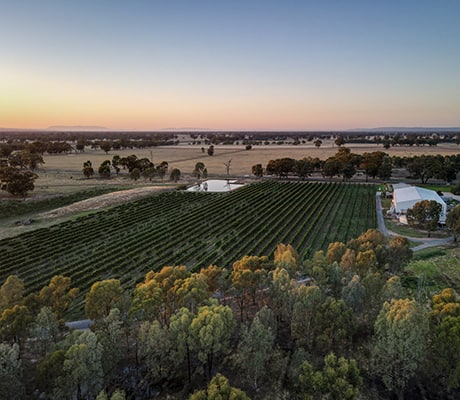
(437, 188)
(434, 269)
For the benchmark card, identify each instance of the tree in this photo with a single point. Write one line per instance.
(219, 389)
(248, 276)
(333, 326)
(318, 143)
(286, 257)
(304, 314)
(211, 330)
(105, 145)
(58, 295)
(258, 170)
(135, 174)
(254, 351)
(340, 141)
(339, 380)
(354, 294)
(386, 168)
(45, 329)
(335, 252)
(200, 170)
(15, 323)
(211, 150)
(48, 371)
(88, 170)
(82, 374)
(108, 333)
(425, 214)
(181, 334)
(399, 253)
(424, 167)
(11, 292)
(156, 348)
(11, 383)
(104, 169)
(303, 167)
(16, 182)
(445, 353)
(400, 342)
(453, 221)
(174, 175)
(102, 297)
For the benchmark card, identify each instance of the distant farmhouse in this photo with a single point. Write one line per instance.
(405, 196)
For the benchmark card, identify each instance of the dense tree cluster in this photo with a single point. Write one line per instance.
(269, 328)
(377, 164)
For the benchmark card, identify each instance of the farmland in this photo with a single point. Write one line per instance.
(192, 229)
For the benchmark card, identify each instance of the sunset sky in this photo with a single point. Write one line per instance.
(229, 65)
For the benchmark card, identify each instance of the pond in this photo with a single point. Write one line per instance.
(215, 185)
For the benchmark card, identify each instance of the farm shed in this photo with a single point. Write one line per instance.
(406, 196)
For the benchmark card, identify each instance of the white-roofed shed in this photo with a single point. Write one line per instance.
(405, 198)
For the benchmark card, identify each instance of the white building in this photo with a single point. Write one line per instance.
(404, 197)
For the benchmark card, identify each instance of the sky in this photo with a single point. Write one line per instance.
(229, 65)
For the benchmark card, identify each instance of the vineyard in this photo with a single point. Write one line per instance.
(192, 229)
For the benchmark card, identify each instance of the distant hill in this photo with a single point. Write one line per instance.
(76, 128)
(406, 129)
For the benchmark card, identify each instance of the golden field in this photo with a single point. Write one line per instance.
(63, 173)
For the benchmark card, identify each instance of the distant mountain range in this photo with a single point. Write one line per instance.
(406, 129)
(95, 128)
(77, 128)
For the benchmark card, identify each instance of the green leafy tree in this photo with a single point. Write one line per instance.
(354, 294)
(254, 351)
(15, 323)
(82, 373)
(135, 174)
(174, 175)
(425, 214)
(333, 326)
(105, 145)
(17, 182)
(212, 329)
(304, 314)
(339, 380)
(401, 332)
(109, 335)
(424, 167)
(45, 329)
(219, 389)
(11, 382)
(318, 143)
(156, 349)
(104, 169)
(385, 169)
(181, 335)
(453, 221)
(399, 253)
(200, 171)
(49, 370)
(88, 170)
(258, 170)
(444, 354)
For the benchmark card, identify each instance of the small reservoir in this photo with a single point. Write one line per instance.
(215, 185)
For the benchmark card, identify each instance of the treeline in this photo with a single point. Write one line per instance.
(64, 147)
(377, 164)
(340, 326)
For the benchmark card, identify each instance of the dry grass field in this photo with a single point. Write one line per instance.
(65, 171)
